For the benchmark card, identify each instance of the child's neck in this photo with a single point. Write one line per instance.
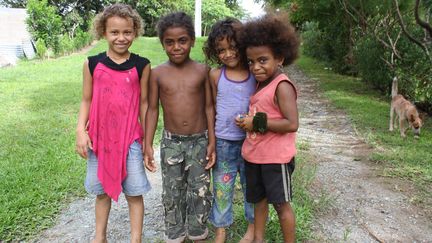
(261, 85)
(118, 58)
(184, 63)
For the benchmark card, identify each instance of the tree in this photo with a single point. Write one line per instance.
(44, 23)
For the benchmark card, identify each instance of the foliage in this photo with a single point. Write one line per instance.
(212, 10)
(377, 41)
(41, 48)
(368, 53)
(44, 23)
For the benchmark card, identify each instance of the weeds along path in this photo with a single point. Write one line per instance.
(76, 223)
(362, 207)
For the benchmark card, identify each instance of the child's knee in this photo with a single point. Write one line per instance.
(282, 208)
(103, 197)
(134, 199)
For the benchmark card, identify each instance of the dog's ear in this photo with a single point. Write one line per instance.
(411, 117)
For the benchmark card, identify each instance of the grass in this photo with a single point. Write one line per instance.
(39, 170)
(409, 159)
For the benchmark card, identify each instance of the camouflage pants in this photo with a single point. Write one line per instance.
(186, 196)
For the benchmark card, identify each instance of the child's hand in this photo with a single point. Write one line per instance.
(83, 143)
(245, 122)
(149, 161)
(210, 156)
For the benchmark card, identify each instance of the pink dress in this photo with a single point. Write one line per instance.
(114, 116)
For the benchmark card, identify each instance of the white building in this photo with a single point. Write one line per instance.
(15, 40)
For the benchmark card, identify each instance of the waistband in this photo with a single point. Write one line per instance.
(170, 135)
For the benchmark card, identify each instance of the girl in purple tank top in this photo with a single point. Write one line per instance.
(232, 86)
(109, 134)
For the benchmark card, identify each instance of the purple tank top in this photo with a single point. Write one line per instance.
(232, 99)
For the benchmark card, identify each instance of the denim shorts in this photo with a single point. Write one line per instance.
(135, 183)
(229, 163)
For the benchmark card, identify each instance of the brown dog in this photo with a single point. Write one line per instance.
(405, 111)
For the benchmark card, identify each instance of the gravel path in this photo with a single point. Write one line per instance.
(364, 208)
(76, 223)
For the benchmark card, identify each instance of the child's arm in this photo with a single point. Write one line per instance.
(286, 100)
(214, 78)
(83, 142)
(151, 121)
(144, 99)
(210, 114)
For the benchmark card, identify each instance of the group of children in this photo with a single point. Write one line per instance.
(237, 118)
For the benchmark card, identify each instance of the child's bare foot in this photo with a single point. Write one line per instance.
(96, 240)
(220, 235)
(249, 235)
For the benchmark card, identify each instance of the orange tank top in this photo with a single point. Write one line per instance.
(270, 147)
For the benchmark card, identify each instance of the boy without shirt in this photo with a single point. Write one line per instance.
(188, 141)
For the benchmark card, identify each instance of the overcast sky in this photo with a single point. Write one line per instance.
(253, 8)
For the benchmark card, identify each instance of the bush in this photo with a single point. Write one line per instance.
(66, 45)
(81, 39)
(44, 23)
(41, 48)
(313, 41)
(368, 53)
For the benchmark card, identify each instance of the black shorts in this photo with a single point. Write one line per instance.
(271, 181)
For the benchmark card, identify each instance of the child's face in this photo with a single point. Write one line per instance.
(227, 53)
(119, 33)
(262, 62)
(177, 44)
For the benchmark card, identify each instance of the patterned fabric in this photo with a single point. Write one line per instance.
(229, 162)
(185, 181)
(113, 118)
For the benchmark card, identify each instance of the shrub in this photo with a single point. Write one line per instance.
(44, 23)
(313, 41)
(41, 48)
(66, 45)
(368, 53)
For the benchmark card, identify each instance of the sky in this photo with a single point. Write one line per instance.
(253, 8)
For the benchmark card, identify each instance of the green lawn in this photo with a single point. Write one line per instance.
(39, 170)
(409, 159)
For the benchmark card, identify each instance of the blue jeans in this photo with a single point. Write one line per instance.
(229, 162)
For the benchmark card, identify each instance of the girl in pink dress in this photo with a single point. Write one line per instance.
(110, 123)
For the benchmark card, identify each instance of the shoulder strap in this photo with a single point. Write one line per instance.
(94, 60)
(140, 63)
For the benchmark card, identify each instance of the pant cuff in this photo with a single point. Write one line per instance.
(199, 237)
(177, 240)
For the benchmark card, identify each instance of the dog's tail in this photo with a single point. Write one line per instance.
(394, 90)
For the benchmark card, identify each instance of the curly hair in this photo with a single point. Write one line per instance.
(119, 10)
(274, 31)
(175, 19)
(227, 28)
